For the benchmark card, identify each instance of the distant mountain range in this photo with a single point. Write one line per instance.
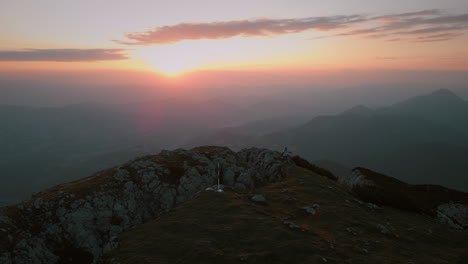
(421, 140)
(43, 146)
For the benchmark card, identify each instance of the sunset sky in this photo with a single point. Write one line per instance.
(175, 37)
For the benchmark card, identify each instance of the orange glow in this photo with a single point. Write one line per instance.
(246, 36)
(70, 66)
(244, 54)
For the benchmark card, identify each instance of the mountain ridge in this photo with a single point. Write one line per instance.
(80, 221)
(378, 138)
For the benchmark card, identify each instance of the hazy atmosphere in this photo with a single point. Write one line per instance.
(370, 95)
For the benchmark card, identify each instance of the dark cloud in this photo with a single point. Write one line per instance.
(433, 39)
(443, 35)
(458, 19)
(418, 13)
(437, 37)
(396, 22)
(229, 29)
(360, 32)
(431, 30)
(65, 55)
(416, 24)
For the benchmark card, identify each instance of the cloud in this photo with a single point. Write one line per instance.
(245, 28)
(463, 19)
(390, 27)
(64, 55)
(432, 30)
(360, 32)
(396, 22)
(416, 26)
(411, 14)
(437, 37)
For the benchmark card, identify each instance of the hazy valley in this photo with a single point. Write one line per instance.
(425, 136)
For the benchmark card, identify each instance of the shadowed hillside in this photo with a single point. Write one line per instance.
(305, 219)
(167, 208)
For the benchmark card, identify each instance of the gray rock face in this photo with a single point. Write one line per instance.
(455, 215)
(383, 229)
(354, 178)
(291, 224)
(309, 210)
(85, 217)
(258, 198)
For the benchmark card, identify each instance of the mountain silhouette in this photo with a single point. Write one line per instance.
(423, 139)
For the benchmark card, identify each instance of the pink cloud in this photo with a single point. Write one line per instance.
(244, 28)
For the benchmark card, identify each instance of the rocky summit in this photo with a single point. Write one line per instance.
(213, 205)
(78, 222)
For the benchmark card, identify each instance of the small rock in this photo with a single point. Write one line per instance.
(309, 210)
(291, 224)
(38, 203)
(128, 186)
(383, 229)
(258, 198)
(120, 174)
(350, 230)
(373, 206)
(358, 201)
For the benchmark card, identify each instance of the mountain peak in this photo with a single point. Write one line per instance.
(445, 94)
(437, 100)
(358, 110)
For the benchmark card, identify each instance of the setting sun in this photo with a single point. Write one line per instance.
(174, 59)
(171, 67)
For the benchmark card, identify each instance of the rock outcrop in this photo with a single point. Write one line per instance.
(447, 205)
(376, 189)
(355, 178)
(79, 221)
(455, 215)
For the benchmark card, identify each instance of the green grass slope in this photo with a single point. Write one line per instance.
(230, 228)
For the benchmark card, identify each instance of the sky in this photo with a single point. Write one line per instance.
(177, 40)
